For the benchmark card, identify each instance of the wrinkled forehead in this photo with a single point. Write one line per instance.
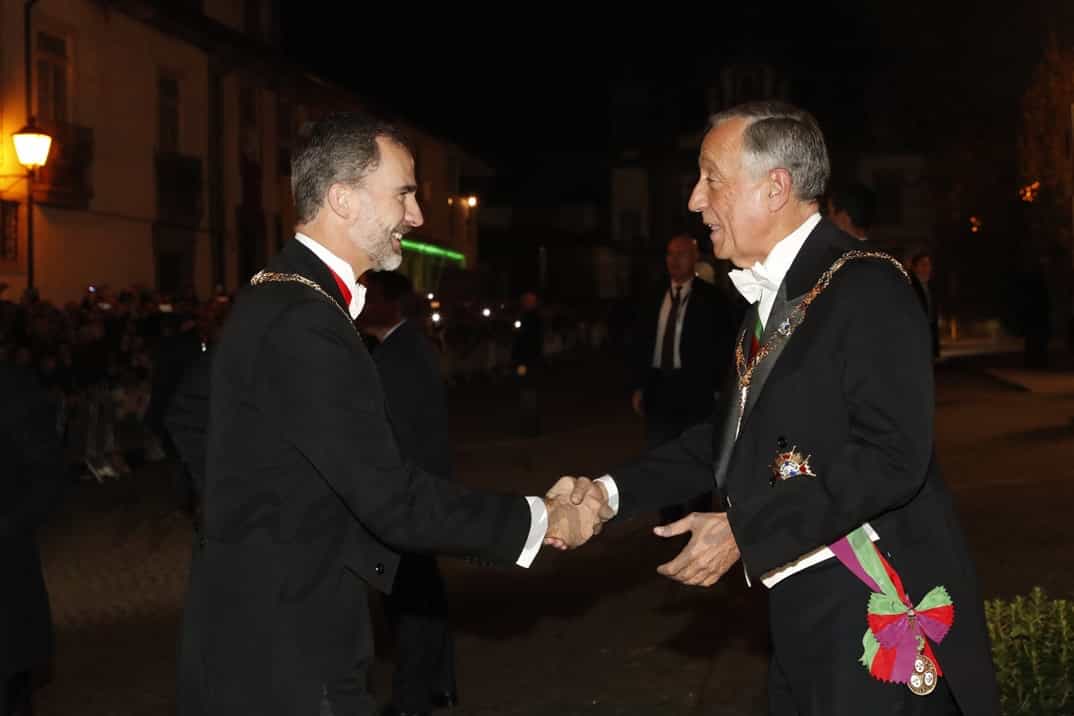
(723, 143)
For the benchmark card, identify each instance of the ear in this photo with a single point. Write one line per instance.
(779, 189)
(340, 200)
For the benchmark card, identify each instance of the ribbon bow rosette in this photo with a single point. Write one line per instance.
(899, 632)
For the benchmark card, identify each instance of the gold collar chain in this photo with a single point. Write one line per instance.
(263, 277)
(798, 314)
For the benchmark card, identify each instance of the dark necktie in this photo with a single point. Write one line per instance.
(667, 351)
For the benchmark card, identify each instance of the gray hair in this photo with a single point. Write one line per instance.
(781, 136)
(339, 148)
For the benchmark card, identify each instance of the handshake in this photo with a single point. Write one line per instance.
(577, 510)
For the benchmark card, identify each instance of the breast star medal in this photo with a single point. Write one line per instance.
(791, 464)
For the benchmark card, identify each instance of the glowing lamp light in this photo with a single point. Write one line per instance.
(31, 146)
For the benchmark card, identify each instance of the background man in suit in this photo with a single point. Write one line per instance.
(527, 356)
(30, 485)
(409, 368)
(921, 276)
(828, 431)
(306, 494)
(681, 349)
(852, 207)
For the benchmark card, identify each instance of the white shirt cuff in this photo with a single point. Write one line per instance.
(613, 492)
(820, 554)
(538, 528)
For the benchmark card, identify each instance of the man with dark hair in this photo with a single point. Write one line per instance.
(852, 208)
(307, 498)
(409, 368)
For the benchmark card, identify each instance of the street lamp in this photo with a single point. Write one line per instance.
(31, 147)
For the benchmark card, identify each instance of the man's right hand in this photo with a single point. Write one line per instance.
(577, 510)
(637, 400)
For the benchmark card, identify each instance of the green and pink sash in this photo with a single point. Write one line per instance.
(898, 631)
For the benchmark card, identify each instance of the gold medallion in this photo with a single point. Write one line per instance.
(924, 678)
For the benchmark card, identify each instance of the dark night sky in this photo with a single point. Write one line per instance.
(520, 86)
(512, 95)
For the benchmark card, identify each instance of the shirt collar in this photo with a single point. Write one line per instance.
(685, 286)
(779, 260)
(341, 268)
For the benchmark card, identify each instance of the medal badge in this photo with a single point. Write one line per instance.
(791, 464)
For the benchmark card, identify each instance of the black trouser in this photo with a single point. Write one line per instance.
(425, 649)
(15, 695)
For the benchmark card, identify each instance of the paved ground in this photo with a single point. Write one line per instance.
(595, 631)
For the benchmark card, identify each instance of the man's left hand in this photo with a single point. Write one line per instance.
(708, 555)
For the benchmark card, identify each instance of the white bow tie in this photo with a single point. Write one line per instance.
(751, 281)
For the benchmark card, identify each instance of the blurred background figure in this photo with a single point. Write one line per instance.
(527, 355)
(31, 481)
(409, 368)
(680, 353)
(920, 276)
(852, 207)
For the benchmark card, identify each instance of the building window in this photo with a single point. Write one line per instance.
(9, 223)
(453, 174)
(888, 184)
(249, 136)
(53, 66)
(251, 17)
(629, 225)
(247, 107)
(168, 113)
(286, 131)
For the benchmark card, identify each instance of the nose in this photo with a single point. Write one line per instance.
(697, 198)
(413, 217)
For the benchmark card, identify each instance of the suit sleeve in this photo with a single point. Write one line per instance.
(886, 380)
(308, 378)
(667, 475)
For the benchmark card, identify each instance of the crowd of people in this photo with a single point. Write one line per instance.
(109, 362)
(112, 360)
